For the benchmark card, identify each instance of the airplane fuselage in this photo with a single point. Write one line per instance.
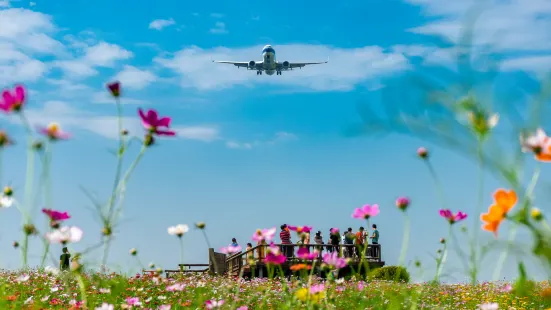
(269, 60)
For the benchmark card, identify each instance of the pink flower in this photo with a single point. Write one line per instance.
(56, 216)
(54, 132)
(314, 289)
(13, 102)
(133, 301)
(243, 308)
(304, 253)
(402, 203)
(452, 218)
(152, 122)
(264, 234)
(165, 307)
(366, 212)
(176, 287)
(230, 249)
(334, 231)
(212, 304)
(333, 260)
(300, 229)
(274, 256)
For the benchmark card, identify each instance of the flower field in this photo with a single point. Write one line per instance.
(45, 290)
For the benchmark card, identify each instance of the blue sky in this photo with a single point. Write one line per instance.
(253, 152)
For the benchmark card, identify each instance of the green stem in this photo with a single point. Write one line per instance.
(82, 288)
(120, 154)
(28, 183)
(206, 237)
(48, 194)
(474, 241)
(442, 260)
(181, 250)
(405, 243)
(119, 188)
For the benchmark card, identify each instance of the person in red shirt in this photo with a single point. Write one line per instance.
(285, 237)
(360, 242)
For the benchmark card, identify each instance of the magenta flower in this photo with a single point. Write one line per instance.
(13, 102)
(452, 218)
(243, 308)
(213, 304)
(274, 256)
(56, 216)
(152, 123)
(304, 253)
(334, 261)
(53, 132)
(230, 249)
(317, 288)
(300, 229)
(402, 203)
(366, 212)
(334, 231)
(264, 234)
(115, 89)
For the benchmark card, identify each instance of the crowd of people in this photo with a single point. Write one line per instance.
(349, 244)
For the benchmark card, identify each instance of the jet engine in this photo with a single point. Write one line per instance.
(286, 64)
(252, 64)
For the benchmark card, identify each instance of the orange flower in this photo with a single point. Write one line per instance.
(504, 201)
(298, 267)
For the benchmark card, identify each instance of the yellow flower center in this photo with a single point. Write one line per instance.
(53, 128)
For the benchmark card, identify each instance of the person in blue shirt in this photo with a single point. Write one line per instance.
(375, 240)
(234, 242)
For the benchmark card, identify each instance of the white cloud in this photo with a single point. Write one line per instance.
(346, 68)
(206, 134)
(104, 125)
(219, 28)
(4, 3)
(159, 24)
(505, 25)
(105, 54)
(135, 78)
(105, 97)
(279, 137)
(533, 64)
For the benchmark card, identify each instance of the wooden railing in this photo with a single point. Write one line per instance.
(236, 261)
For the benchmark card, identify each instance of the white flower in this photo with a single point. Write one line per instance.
(29, 300)
(23, 278)
(5, 201)
(65, 234)
(51, 270)
(45, 298)
(104, 290)
(105, 306)
(178, 230)
(489, 306)
(54, 289)
(538, 142)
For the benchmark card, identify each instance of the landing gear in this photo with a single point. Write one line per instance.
(278, 73)
(258, 72)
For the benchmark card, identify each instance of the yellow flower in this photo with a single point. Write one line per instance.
(302, 294)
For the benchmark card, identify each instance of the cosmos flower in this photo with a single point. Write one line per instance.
(65, 235)
(334, 261)
(264, 234)
(230, 249)
(504, 201)
(53, 132)
(538, 143)
(13, 101)
(178, 230)
(366, 212)
(213, 304)
(451, 217)
(114, 88)
(402, 203)
(153, 123)
(300, 229)
(56, 216)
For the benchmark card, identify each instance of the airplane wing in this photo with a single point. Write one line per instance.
(241, 64)
(285, 65)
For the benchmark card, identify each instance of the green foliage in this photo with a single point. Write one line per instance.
(391, 273)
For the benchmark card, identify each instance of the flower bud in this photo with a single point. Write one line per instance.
(29, 229)
(149, 140)
(417, 263)
(106, 231)
(422, 153)
(133, 252)
(151, 265)
(124, 132)
(536, 214)
(38, 145)
(442, 240)
(115, 89)
(402, 203)
(8, 191)
(15, 244)
(54, 225)
(200, 225)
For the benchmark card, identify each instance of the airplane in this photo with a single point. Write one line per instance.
(269, 64)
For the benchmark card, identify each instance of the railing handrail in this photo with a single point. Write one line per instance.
(241, 254)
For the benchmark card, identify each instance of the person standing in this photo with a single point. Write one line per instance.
(374, 240)
(234, 243)
(318, 239)
(64, 260)
(359, 241)
(285, 237)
